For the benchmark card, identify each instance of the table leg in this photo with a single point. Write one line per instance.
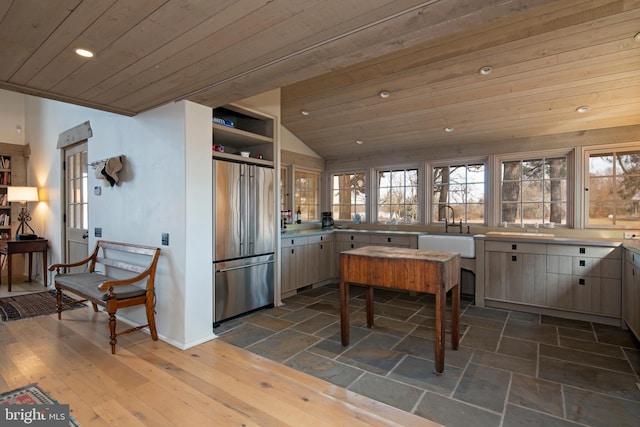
(30, 266)
(369, 293)
(455, 314)
(441, 320)
(44, 267)
(9, 270)
(344, 312)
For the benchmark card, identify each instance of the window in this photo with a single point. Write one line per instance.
(307, 195)
(398, 196)
(534, 191)
(284, 189)
(462, 188)
(348, 196)
(613, 184)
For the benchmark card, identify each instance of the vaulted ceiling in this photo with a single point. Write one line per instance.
(332, 58)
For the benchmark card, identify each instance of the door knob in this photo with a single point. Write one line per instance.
(85, 236)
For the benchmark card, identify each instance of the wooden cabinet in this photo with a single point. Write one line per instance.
(238, 129)
(347, 241)
(631, 291)
(399, 241)
(320, 258)
(585, 278)
(515, 272)
(293, 254)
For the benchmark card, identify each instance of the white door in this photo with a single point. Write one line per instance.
(76, 217)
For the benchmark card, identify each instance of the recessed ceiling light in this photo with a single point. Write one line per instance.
(582, 109)
(359, 141)
(384, 94)
(485, 71)
(304, 112)
(448, 129)
(84, 53)
(637, 37)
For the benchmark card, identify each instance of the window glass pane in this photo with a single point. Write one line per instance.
(534, 191)
(348, 195)
(398, 196)
(458, 186)
(307, 195)
(614, 189)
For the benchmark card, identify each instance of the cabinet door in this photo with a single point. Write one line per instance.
(496, 275)
(326, 256)
(294, 272)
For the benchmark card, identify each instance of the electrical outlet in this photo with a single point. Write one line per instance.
(632, 234)
(97, 232)
(165, 239)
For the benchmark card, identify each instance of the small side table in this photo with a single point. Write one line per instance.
(10, 247)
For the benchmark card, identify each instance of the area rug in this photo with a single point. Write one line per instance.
(30, 395)
(32, 305)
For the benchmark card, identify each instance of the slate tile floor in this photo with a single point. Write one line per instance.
(512, 368)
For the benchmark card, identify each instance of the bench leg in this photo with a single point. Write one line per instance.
(151, 318)
(112, 330)
(59, 302)
(95, 307)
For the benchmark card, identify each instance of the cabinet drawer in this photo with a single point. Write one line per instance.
(354, 238)
(632, 257)
(391, 240)
(288, 242)
(320, 238)
(586, 251)
(516, 247)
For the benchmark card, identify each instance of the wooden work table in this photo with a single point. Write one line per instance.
(409, 269)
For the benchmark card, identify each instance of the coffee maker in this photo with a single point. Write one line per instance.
(327, 220)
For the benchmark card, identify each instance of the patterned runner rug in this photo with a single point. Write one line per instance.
(32, 305)
(30, 395)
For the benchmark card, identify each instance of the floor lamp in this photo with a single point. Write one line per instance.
(23, 195)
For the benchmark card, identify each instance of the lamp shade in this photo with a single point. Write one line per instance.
(22, 194)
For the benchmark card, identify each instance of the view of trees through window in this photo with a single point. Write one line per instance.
(307, 195)
(460, 187)
(534, 191)
(614, 189)
(398, 196)
(348, 196)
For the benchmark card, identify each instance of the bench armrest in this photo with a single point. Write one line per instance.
(106, 285)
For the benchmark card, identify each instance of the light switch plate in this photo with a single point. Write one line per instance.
(165, 239)
(97, 232)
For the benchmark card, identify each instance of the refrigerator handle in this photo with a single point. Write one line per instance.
(239, 267)
(251, 220)
(243, 209)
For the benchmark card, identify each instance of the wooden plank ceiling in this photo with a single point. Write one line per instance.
(332, 58)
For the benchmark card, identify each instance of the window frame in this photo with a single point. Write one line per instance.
(374, 209)
(430, 184)
(571, 178)
(585, 179)
(365, 172)
(294, 190)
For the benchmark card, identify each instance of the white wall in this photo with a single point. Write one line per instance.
(165, 187)
(11, 117)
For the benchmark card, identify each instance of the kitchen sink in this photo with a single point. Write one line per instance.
(462, 244)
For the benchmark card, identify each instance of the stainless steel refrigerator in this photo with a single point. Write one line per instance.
(244, 231)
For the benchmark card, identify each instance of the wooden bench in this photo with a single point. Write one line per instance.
(110, 292)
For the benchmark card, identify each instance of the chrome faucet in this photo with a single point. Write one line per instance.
(448, 224)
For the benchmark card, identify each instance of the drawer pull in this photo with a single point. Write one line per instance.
(514, 247)
(352, 246)
(292, 251)
(514, 258)
(292, 241)
(388, 239)
(351, 237)
(582, 263)
(581, 282)
(321, 237)
(583, 250)
(320, 247)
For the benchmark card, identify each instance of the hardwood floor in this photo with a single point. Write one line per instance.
(155, 384)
